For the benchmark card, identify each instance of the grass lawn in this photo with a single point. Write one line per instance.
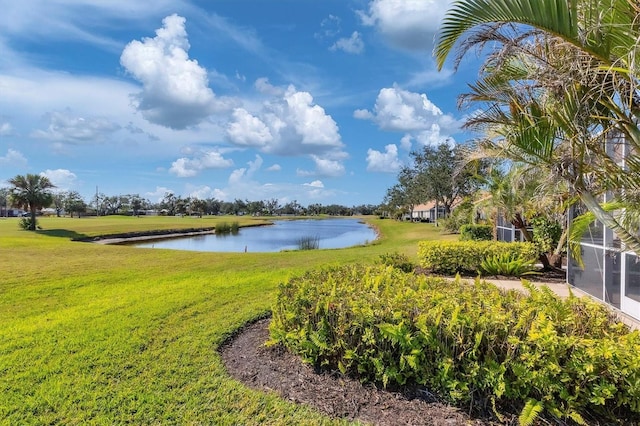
(111, 334)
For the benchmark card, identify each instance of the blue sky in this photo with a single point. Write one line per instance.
(318, 101)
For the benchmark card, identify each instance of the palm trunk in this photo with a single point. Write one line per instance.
(32, 225)
(556, 256)
(519, 223)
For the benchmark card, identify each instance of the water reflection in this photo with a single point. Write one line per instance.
(282, 235)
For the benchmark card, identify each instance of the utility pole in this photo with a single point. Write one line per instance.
(97, 205)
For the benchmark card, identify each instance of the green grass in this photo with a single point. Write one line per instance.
(93, 334)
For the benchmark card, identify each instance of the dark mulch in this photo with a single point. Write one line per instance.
(275, 369)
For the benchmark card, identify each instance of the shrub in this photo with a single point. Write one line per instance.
(451, 257)
(546, 234)
(223, 228)
(308, 243)
(25, 223)
(226, 228)
(476, 233)
(461, 215)
(507, 264)
(397, 260)
(472, 343)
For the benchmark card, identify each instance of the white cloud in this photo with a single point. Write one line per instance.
(68, 127)
(246, 173)
(405, 142)
(315, 184)
(310, 121)
(324, 167)
(13, 158)
(263, 86)
(386, 162)
(290, 124)
(434, 137)
(63, 179)
(189, 167)
(413, 113)
(274, 168)
(33, 93)
(248, 130)
(407, 24)
(401, 110)
(175, 88)
(353, 44)
(362, 114)
(5, 129)
(204, 192)
(75, 20)
(329, 27)
(159, 193)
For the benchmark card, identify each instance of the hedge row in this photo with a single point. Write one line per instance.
(470, 342)
(451, 257)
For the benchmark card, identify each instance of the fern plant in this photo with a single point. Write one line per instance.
(507, 264)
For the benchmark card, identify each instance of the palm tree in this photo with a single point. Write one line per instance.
(557, 88)
(31, 192)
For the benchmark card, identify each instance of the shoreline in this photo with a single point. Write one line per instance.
(123, 240)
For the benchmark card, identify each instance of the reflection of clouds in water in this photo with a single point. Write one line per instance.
(283, 235)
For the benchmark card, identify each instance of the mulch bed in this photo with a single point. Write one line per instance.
(275, 369)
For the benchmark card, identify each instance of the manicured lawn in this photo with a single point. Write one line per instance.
(113, 334)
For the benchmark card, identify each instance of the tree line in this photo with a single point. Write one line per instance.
(34, 192)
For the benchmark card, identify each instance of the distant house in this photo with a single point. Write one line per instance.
(427, 212)
(5, 212)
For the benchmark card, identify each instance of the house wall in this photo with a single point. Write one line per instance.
(608, 272)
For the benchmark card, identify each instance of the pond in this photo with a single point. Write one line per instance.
(282, 235)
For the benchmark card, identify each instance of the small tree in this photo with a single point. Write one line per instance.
(31, 192)
(73, 203)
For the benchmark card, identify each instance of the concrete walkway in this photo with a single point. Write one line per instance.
(562, 290)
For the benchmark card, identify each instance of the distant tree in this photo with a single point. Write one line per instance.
(291, 208)
(73, 203)
(58, 202)
(136, 203)
(445, 176)
(255, 207)
(4, 199)
(397, 201)
(366, 209)
(31, 192)
(407, 193)
(226, 208)
(315, 209)
(213, 206)
(272, 206)
(336, 210)
(183, 205)
(198, 206)
(168, 203)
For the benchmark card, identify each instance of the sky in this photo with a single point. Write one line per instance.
(317, 101)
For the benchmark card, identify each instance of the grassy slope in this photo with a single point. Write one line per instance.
(110, 334)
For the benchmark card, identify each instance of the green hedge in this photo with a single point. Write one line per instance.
(476, 232)
(472, 343)
(451, 257)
